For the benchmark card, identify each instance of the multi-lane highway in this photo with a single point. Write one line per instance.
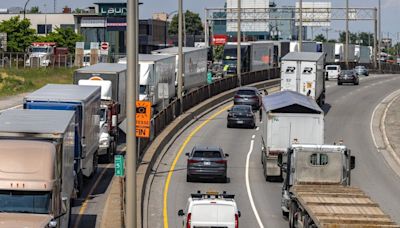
(348, 115)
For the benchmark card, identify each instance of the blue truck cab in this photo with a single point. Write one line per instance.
(85, 101)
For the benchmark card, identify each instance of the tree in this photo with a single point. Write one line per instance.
(63, 37)
(34, 9)
(332, 41)
(193, 23)
(19, 34)
(352, 37)
(320, 38)
(366, 38)
(218, 52)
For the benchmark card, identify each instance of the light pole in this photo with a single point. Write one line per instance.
(26, 3)
(346, 48)
(238, 49)
(380, 36)
(45, 20)
(300, 26)
(132, 61)
(166, 25)
(180, 53)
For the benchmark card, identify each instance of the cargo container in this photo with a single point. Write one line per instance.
(328, 49)
(307, 46)
(37, 168)
(85, 101)
(287, 116)
(303, 72)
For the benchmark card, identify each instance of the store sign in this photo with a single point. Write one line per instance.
(93, 22)
(220, 39)
(116, 24)
(113, 9)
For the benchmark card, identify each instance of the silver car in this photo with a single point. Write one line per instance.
(361, 70)
(207, 163)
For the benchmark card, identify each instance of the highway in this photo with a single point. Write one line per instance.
(348, 115)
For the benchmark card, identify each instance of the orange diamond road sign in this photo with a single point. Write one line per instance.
(142, 132)
(143, 113)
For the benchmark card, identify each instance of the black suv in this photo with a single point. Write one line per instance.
(248, 96)
(348, 76)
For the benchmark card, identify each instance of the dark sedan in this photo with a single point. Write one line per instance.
(241, 115)
(348, 76)
(361, 70)
(207, 163)
(248, 96)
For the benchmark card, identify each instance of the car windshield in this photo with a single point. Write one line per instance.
(207, 154)
(246, 92)
(39, 49)
(241, 108)
(348, 72)
(331, 68)
(25, 202)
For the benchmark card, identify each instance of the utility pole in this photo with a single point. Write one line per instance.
(346, 48)
(239, 56)
(180, 53)
(376, 39)
(300, 25)
(380, 37)
(54, 6)
(206, 31)
(132, 61)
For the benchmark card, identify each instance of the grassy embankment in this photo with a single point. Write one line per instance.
(16, 81)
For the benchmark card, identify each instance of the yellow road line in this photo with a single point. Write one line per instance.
(84, 205)
(181, 149)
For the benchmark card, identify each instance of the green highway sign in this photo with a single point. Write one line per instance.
(119, 165)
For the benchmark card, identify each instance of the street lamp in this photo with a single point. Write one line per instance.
(26, 3)
(166, 24)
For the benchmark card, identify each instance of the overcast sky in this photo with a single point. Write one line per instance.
(390, 10)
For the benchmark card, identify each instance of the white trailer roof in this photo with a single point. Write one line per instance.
(61, 92)
(174, 50)
(290, 102)
(35, 121)
(103, 68)
(303, 56)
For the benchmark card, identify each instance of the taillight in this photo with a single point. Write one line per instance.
(237, 96)
(236, 221)
(188, 220)
(274, 152)
(221, 161)
(191, 161)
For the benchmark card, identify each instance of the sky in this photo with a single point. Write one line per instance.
(390, 9)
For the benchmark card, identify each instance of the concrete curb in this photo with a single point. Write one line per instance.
(162, 140)
(378, 132)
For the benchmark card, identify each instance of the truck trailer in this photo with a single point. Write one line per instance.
(111, 77)
(194, 65)
(317, 192)
(85, 101)
(37, 168)
(303, 72)
(307, 46)
(328, 49)
(255, 56)
(287, 116)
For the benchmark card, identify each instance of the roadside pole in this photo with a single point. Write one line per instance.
(300, 26)
(346, 47)
(132, 57)
(180, 55)
(238, 55)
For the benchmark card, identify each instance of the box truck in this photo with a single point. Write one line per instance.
(339, 53)
(111, 77)
(37, 168)
(194, 65)
(287, 117)
(255, 56)
(307, 46)
(303, 72)
(85, 101)
(328, 49)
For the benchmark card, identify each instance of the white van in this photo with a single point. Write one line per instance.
(332, 71)
(211, 210)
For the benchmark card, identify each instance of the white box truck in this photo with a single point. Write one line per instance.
(364, 55)
(194, 65)
(339, 53)
(287, 117)
(85, 101)
(329, 50)
(37, 168)
(303, 72)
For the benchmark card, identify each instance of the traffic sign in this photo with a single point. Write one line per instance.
(104, 46)
(119, 165)
(142, 132)
(143, 113)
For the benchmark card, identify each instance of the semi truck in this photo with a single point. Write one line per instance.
(287, 116)
(303, 72)
(37, 168)
(194, 65)
(364, 54)
(317, 192)
(43, 54)
(339, 52)
(255, 56)
(307, 46)
(157, 79)
(328, 49)
(111, 77)
(85, 102)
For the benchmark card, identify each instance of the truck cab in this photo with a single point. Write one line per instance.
(40, 54)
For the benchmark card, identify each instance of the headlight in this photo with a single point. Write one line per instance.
(52, 223)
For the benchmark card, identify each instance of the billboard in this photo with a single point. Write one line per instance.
(315, 14)
(253, 14)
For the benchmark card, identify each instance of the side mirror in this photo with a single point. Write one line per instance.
(64, 205)
(239, 214)
(187, 154)
(181, 213)
(226, 155)
(280, 160)
(352, 162)
(118, 107)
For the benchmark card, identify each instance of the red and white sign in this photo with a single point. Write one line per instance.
(104, 46)
(220, 39)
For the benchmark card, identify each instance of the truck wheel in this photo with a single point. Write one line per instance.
(285, 214)
(292, 211)
(95, 164)
(189, 178)
(79, 183)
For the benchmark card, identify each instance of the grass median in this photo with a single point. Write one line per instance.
(16, 81)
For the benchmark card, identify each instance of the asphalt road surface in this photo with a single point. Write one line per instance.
(348, 115)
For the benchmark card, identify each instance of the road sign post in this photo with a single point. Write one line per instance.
(119, 165)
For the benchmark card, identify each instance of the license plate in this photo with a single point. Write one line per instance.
(240, 122)
(246, 99)
(207, 163)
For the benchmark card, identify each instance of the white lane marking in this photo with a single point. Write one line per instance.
(248, 186)
(258, 128)
(14, 107)
(253, 136)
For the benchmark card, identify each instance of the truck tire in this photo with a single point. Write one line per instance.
(79, 183)
(292, 211)
(95, 164)
(285, 214)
